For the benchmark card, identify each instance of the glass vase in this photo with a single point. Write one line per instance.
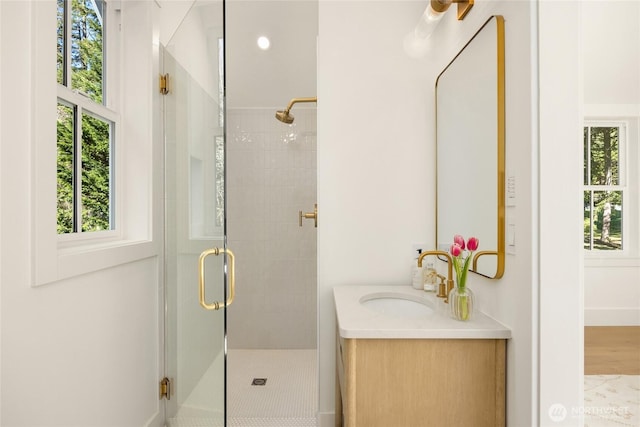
(461, 303)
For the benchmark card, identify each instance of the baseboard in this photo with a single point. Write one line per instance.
(326, 419)
(612, 317)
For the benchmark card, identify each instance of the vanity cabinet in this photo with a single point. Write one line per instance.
(420, 382)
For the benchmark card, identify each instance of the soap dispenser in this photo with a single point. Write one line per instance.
(430, 278)
(416, 273)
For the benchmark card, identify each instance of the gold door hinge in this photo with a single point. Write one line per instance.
(164, 84)
(165, 388)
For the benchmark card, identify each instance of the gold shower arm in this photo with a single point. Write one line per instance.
(296, 100)
(284, 116)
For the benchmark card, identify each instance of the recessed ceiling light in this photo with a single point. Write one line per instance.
(263, 43)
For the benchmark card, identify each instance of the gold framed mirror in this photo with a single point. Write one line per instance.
(470, 148)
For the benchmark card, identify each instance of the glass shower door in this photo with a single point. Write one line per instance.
(198, 266)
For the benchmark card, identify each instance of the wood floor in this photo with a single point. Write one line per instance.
(610, 350)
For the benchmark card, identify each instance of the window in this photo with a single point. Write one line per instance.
(85, 125)
(604, 186)
(96, 190)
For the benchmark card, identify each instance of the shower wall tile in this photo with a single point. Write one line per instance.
(271, 175)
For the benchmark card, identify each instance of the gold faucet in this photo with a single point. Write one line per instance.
(443, 291)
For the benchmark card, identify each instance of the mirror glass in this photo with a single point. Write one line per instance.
(470, 148)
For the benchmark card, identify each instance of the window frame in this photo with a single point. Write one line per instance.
(139, 147)
(622, 186)
(595, 114)
(107, 110)
(88, 107)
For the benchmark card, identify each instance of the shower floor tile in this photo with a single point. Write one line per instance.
(272, 422)
(289, 397)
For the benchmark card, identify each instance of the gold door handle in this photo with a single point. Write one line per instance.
(309, 215)
(216, 305)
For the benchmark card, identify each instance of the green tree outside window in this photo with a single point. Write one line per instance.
(84, 166)
(603, 195)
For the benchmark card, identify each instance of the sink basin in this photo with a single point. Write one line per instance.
(396, 304)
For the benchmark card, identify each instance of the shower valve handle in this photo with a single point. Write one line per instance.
(309, 215)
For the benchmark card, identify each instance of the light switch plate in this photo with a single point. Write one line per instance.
(511, 239)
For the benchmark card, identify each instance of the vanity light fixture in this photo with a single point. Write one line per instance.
(434, 13)
(415, 42)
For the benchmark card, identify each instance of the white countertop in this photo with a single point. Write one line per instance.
(357, 321)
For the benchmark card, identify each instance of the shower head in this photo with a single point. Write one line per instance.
(284, 116)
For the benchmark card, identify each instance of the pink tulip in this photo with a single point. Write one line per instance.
(455, 250)
(459, 240)
(473, 243)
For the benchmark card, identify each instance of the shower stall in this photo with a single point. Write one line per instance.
(239, 180)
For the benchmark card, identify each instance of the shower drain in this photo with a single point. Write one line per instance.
(259, 381)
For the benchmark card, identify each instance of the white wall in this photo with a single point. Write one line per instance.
(611, 52)
(612, 295)
(82, 351)
(376, 167)
(374, 157)
(557, 246)
(1, 139)
(376, 182)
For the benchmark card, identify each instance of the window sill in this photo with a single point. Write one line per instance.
(87, 258)
(592, 261)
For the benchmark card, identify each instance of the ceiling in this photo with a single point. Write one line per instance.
(270, 78)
